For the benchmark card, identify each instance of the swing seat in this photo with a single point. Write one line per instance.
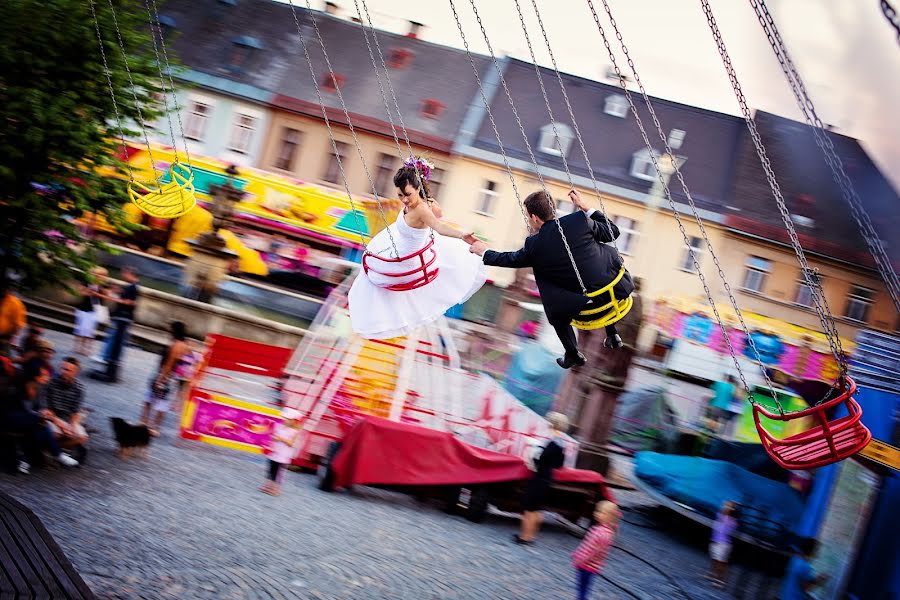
(607, 314)
(389, 269)
(826, 443)
(170, 200)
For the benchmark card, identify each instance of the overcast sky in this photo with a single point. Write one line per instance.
(845, 51)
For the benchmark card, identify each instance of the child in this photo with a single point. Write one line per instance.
(419, 251)
(800, 579)
(281, 449)
(588, 558)
(720, 544)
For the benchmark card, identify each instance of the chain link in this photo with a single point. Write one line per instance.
(823, 141)
(154, 27)
(112, 94)
(362, 25)
(891, 15)
(490, 114)
(337, 155)
(537, 71)
(676, 214)
(137, 104)
(824, 316)
(162, 43)
(528, 145)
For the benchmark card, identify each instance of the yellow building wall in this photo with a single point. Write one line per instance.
(780, 288)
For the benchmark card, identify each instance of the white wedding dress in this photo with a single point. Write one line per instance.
(379, 313)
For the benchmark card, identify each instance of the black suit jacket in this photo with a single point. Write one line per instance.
(545, 253)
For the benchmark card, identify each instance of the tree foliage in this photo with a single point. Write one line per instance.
(61, 146)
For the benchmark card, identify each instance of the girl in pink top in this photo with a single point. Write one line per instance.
(589, 557)
(281, 449)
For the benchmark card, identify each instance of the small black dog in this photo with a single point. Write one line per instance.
(129, 437)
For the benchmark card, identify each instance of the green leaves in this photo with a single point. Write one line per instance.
(58, 126)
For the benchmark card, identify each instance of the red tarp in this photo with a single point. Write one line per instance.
(381, 452)
(235, 354)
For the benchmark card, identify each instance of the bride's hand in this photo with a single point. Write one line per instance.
(470, 238)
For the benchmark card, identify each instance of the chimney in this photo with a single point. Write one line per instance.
(414, 30)
(331, 8)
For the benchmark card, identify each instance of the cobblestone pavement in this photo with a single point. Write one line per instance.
(188, 522)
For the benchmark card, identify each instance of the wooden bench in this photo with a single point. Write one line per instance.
(32, 565)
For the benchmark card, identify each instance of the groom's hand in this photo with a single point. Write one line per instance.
(578, 201)
(470, 238)
(478, 248)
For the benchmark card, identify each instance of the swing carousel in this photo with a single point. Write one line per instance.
(336, 377)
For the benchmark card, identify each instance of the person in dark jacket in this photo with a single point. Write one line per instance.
(587, 232)
(551, 458)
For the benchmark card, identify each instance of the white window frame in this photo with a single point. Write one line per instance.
(642, 166)
(487, 199)
(283, 143)
(564, 207)
(762, 272)
(196, 123)
(695, 251)
(616, 105)
(628, 234)
(239, 129)
(803, 289)
(676, 138)
(549, 143)
(865, 300)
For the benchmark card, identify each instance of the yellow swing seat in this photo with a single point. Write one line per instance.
(609, 313)
(170, 200)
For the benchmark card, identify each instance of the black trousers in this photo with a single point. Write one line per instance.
(274, 468)
(566, 334)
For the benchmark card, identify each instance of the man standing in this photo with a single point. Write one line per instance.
(64, 397)
(122, 317)
(586, 232)
(12, 317)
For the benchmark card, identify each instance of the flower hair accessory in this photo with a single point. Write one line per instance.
(422, 166)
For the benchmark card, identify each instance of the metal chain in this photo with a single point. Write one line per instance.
(823, 141)
(490, 114)
(528, 146)
(362, 25)
(162, 43)
(833, 338)
(891, 15)
(337, 155)
(565, 94)
(675, 212)
(137, 104)
(162, 80)
(112, 94)
(340, 96)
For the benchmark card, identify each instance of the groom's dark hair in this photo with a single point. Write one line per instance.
(541, 205)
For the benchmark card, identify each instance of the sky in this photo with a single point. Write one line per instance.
(845, 51)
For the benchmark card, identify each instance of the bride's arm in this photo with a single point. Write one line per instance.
(424, 213)
(435, 208)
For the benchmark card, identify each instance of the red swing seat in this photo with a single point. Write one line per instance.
(428, 271)
(828, 442)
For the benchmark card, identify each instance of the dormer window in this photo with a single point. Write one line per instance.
(556, 138)
(166, 26)
(433, 109)
(399, 58)
(616, 105)
(331, 82)
(676, 138)
(642, 166)
(244, 53)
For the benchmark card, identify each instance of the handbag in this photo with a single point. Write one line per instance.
(102, 313)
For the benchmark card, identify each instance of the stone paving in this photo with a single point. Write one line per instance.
(188, 522)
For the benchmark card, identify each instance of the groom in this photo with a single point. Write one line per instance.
(587, 232)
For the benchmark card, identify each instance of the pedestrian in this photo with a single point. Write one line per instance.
(64, 400)
(720, 543)
(13, 317)
(281, 449)
(800, 578)
(157, 402)
(588, 558)
(122, 317)
(721, 402)
(536, 491)
(90, 311)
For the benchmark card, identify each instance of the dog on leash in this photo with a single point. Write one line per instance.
(130, 437)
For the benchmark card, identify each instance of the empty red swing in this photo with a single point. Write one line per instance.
(828, 442)
(426, 266)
